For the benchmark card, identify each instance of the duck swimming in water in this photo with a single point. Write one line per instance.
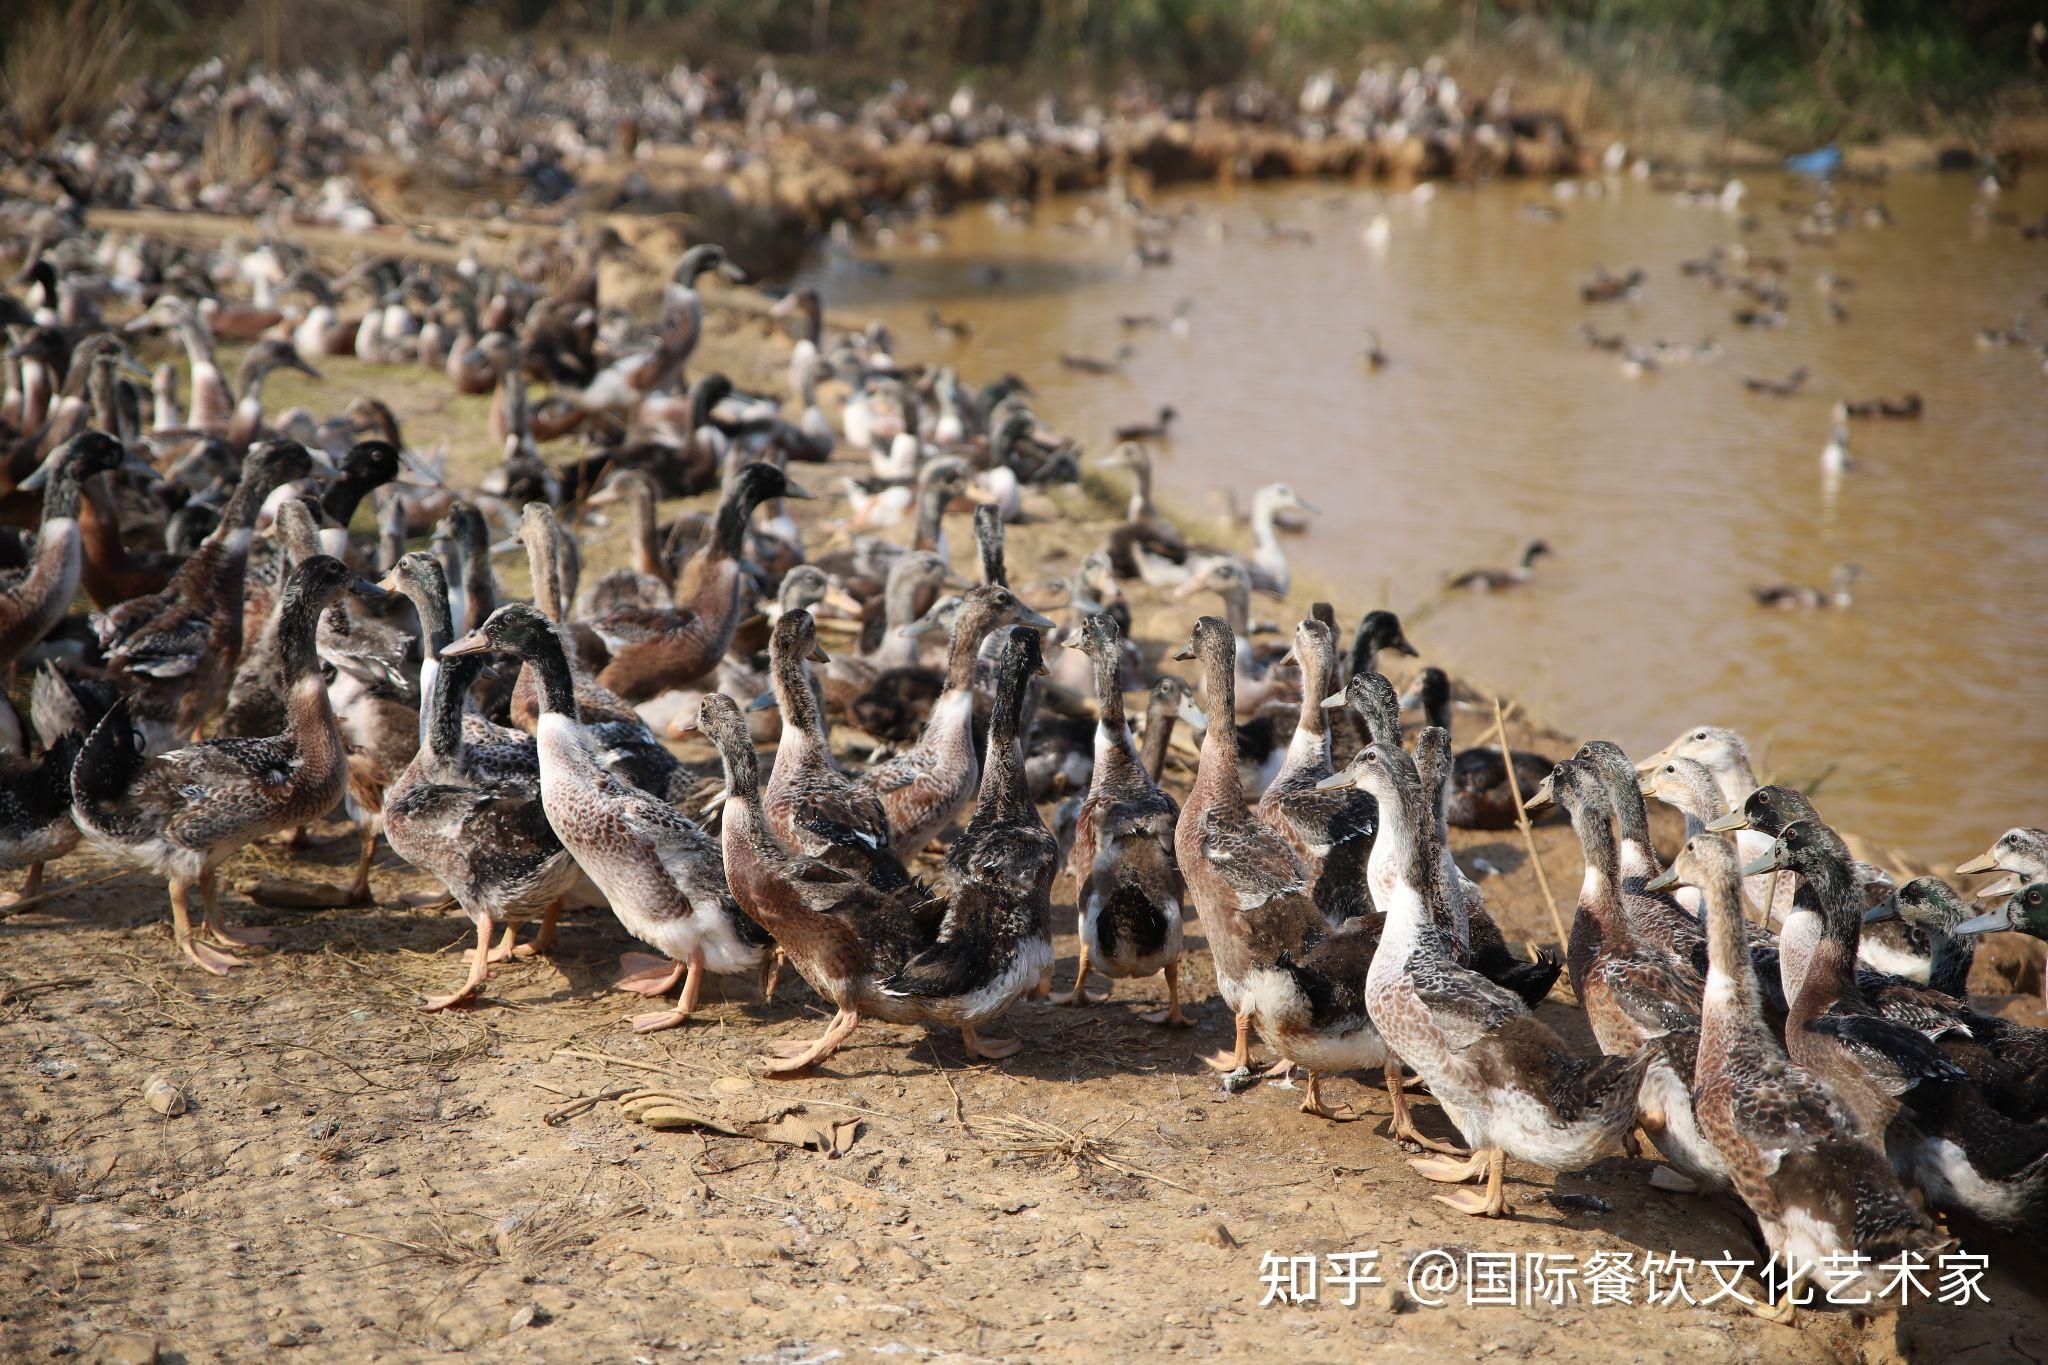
(1500, 580)
(1795, 596)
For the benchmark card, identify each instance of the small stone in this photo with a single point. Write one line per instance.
(522, 1318)
(731, 1085)
(1239, 1081)
(165, 1097)
(1389, 1299)
(1220, 1236)
(282, 1338)
(321, 1129)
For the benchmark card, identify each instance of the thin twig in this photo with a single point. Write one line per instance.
(1500, 728)
(66, 889)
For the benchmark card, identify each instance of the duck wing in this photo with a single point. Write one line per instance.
(1255, 863)
(1896, 1056)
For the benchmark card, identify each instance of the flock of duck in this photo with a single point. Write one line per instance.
(1777, 1017)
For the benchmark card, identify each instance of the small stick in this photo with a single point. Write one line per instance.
(1500, 729)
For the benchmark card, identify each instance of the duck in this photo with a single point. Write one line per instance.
(995, 941)
(1502, 1077)
(655, 651)
(35, 793)
(1255, 684)
(181, 814)
(812, 807)
(1767, 812)
(1796, 1155)
(663, 876)
(1500, 580)
(1482, 797)
(1635, 992)
(175, 651)
(1331, 832)
(472, 815)
(32, 604)
(1129, 888)
(843, 935)
(1916, 1103)
(1160, 428)
(1835, 459)
(1280, 966)
(926, 786)
(1802, 596)
(1143, 529)
(257, 693)
(1927, 911)
(1477, 940)
(649, 583)
(1725, 754)
(2021, 853)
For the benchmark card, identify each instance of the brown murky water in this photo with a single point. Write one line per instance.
(1920, 708)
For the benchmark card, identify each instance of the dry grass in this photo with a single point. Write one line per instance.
(1076, 1149)
(64, 62)
(239, 149)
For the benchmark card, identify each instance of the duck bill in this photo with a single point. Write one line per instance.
(764, 702)
(1188, 588)
(839, 599)
(719, 798)
(1543, 798)
(792, 489)
(1770, 860)
(34, 482)
(1667, 878)
(1989, 923)
(1728, 823)
(818, 655)
(323, 468)
(2004, 886)
(365, 589)
(1886, 909)
(1400, 645)
(1983, 862)
(1332, 702)
(476, 642)
(1037, 620)
(1191, 714)
(1336, 781)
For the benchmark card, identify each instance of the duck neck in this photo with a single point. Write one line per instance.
(1597, 894)
(646, 540)
(1141, 492)
(1217, 774)
(479, 582)
(728, 539)
(1312, 721)
(1004, 790)
(544, 565)
(1159, 721)
(1731, 996)
(550, 664)
(338, 504)
(1400, 859)
(803, 723)
(1112, 727)
(437, 622)
(1635, 858)
(931, 518)
(447, 695)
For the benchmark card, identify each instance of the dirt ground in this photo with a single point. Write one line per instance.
(355, 1180)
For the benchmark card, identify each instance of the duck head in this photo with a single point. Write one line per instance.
(318, 581)
(1807, 847)
(81, 457)
(796, 637)
(2021, 853)
(1768, 810)
(1705, 860)
(1379, 630)
(2025, 913)
(701, 260)
(1925, 903)
(515, 628)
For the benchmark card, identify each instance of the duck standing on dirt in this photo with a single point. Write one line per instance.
(35, 793)
(662, 874)
(1792, 1150)
(843, 935)
(182, 813)
(467, 808)
(1505, 1080)
(996, 940)
(1128, 884)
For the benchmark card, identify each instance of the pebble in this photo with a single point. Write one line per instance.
(165, 1097)
(126, 1348)
(1239, 1081)
(1220, 1236)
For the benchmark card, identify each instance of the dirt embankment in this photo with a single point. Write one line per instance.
(353, 1180)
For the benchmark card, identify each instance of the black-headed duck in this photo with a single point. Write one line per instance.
(1481, 795)
(1803, 596)
(1128, 885)
(1930, 948)
(475, 820)
(180, 814)
(1499, 580)
(654, 651)
(37, 600)
(996, 939)
(1792, 1150)
(661, 873)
